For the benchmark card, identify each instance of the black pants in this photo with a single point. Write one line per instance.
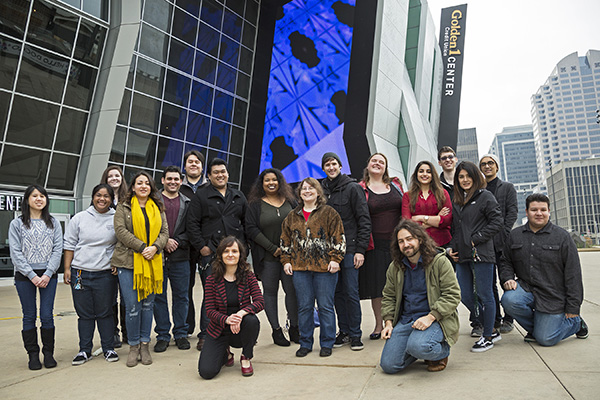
(214, 353)
(191, 317)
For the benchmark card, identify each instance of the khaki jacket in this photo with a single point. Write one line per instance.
(127, 242)
(443, 295)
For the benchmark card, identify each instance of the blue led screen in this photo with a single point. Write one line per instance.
(308, 85)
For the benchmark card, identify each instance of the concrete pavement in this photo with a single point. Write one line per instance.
(513, 369)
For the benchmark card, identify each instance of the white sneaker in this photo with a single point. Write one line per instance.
(482, 345)
(80, 358)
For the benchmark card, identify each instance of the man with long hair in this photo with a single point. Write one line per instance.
(419, 302)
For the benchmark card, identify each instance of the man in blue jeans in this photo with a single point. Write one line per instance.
(176, 268)
(419, 302)
(346, 196)
(541, 276)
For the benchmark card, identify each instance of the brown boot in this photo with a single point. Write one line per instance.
(134, 353)
(145, 353)
(436, 366)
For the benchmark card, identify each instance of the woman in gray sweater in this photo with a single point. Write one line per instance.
(35, 240)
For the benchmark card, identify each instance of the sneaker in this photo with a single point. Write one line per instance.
(477, 331)
(529, 338)
(160, 346)
(325, 352)
(496, 337)
(506, 327)
(341, 339)
(182, 343)
(111, 356)
(482, 345)
(583, 332)
(356, 344)
(302, 352)
(81, 358)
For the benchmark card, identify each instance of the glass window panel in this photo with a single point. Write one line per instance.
(208, 40)
(212, 154)
(149, 77)
(170, 152)
(23, 166)
(71, 128)
(32, 122)
(232, 25)
(234, 167)
(173, 121)
(239, 112)
(10, 50)
(197, 129)
(205, 67)
(153, 43)
(52, 28)
(212, 13)
(226, 77)
(243, 85)
(177, 88)
(42, 74)
(181, 56)
(223, 106)
(236, 144)
(63, 169)
(184, 26)
(117, 153)
(229, 51)
(131, 72)
(201, 98)
(90, 42)
(191, 6)
(144, 113)
(141, 149)
(98, 8)
(248, 35)
(74, 3)
(219, 135)
(13, 17)
(246, 60)
(80, 88)
(125, 104)
(158, 13)
(251, 11)
(236, 5)
(130, 172)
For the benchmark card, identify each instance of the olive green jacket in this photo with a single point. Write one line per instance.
(127, 242)
(443, 295)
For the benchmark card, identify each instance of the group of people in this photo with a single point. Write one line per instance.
(414, 254)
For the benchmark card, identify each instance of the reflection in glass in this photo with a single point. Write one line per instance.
(239, 112)
(42, 74)
(205, 67)
(9, 57)
(23, 166)
(117, 153)
(90, 42)
(32, 122)
(141, 149)
(201, 98)
(219, 135)
(80, 86)
(70, 131)
(245, 60)
(229, 51)
(4, 103)
(234, 167)
(144, 113)
(153, 43)
(158, 13)
(124, 112)
(149, 77)
(177, 88)
(208, 40)
(243, 85)
(173, 121)
(52, 27)
(222, 106)
(236, 144)
(212, 13)
(98, 8)
(184, 26)
(212, 154)
(63, 170)
(226, 77)
(232, 25)
(197, 129)
(13, 17)
(191, 6)
(248, 35)
(236, 5)
(181, 56)
(251, 11)
(170, 152)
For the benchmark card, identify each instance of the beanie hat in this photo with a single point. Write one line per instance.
(328, 156)
(493, 157)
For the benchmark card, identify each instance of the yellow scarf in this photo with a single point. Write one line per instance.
(147, 274)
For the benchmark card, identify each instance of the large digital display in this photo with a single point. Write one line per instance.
(308, 86)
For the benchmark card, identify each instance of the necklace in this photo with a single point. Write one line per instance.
(266, 199)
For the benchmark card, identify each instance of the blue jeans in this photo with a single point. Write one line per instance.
(547, 329)
(178, 273)
(93, 304)
(320, 286)
(483, 280)
(139, 313)
(407, 345)
(27, 292)
(347, 299)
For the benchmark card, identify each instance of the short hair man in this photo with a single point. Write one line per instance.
(506, 195)
(176, 268)
(419, 302)
(193, 162)
(447, 160)
(216, 211)
(541, 276)
(347, 197)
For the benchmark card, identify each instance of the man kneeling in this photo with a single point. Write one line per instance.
(419, 302)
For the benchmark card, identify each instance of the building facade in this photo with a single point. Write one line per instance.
(466, 147)
(563, 112)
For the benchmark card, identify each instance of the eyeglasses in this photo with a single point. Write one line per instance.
(487, 164)
(446, 158)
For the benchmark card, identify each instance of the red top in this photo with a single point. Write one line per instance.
(306, 214)
(440, 235)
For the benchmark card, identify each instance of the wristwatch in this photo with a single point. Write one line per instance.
(426, 218)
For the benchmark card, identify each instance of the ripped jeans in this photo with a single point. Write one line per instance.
(139, 314)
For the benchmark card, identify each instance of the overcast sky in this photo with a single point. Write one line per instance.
(511, 47)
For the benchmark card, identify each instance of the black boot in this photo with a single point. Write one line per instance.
(279, 339)
(33, 348)
(294, 334)
(48, 347)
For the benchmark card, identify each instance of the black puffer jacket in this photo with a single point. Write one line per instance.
(506, 195)
(346, 196)
(477, 221)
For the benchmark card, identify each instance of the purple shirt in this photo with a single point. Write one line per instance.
(171, 211)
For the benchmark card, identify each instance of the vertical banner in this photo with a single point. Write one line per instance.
(452, 44)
